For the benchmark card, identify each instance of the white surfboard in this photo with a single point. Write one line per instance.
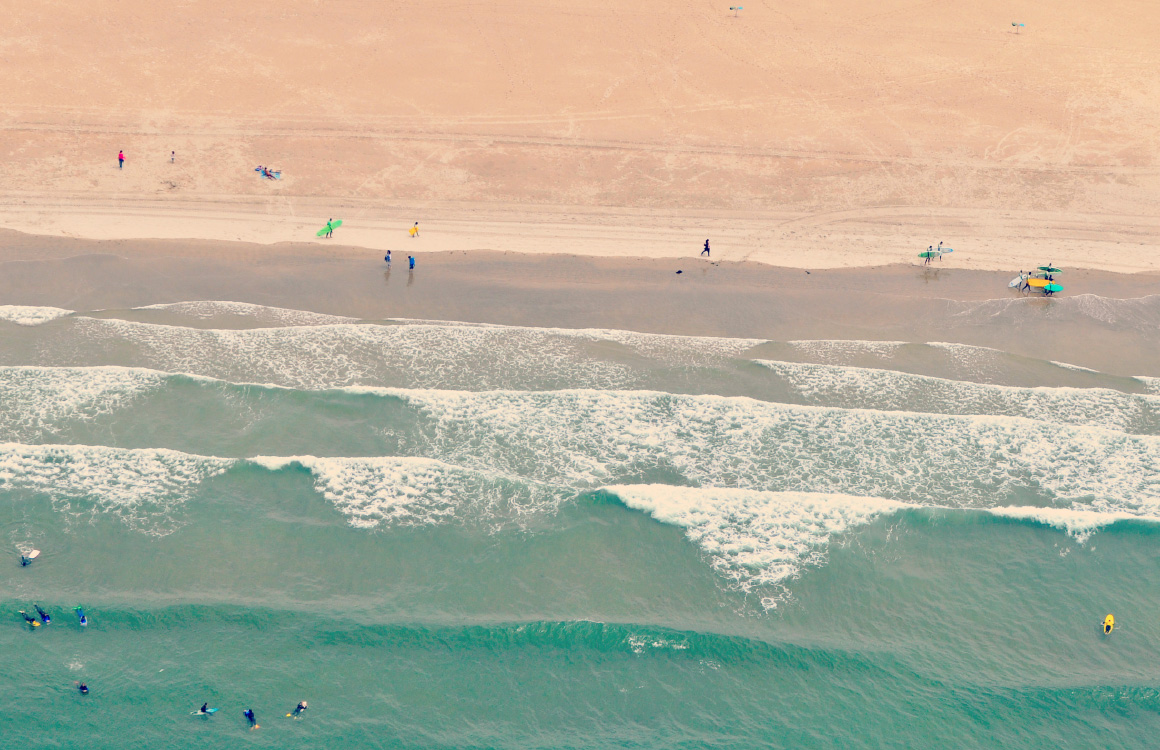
(1017, 281)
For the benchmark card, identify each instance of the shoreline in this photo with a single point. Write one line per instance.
(861, 238)
(1103, 320)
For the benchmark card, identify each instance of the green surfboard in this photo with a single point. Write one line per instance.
(333, 225)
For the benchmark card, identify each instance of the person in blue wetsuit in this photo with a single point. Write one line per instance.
(249, 714)
(411, 261)
(43, 615)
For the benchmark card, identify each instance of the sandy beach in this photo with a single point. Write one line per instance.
(819, 136)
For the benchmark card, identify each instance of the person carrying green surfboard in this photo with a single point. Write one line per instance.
(328, 230)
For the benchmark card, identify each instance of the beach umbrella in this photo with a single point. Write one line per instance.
(1050, 269)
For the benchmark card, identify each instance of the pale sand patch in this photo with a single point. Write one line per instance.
(814, 134)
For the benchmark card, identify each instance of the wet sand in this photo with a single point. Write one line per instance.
(1103, 320)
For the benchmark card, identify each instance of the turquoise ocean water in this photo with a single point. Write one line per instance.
(454, 535)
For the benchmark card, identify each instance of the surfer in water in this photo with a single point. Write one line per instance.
(204, 709)
(83, 688)
(43, 615)
(32, 623)
(84, 620)
(249, 714)
(299, 709)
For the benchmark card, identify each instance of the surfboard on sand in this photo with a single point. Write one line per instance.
(333, 225)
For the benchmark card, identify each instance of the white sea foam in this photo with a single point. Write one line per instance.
(1152, 384)
(755, 538)
(1077, 368)
(416, 355)
(141, 486)
(586, 438)
(766, 538)
(408, 491)
(865, 388)
(40, 399)
(26, 315)
(837, 350)
(264, 314)
(1080, 524)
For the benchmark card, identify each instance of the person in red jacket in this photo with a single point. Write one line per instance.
(120, 160)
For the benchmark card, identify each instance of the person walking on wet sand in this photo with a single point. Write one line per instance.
(705, 252)
(120, 160)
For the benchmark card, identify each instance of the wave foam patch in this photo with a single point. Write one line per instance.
(590, 438)
(261, 314)
(26, 315)
(38, 399)
(412, 355)
(1080, 524)
(755, 538)
(865, 388)
(140, 486)
(837, 350)
(413, 491)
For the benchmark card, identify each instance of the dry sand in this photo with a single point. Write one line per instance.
(817, 134)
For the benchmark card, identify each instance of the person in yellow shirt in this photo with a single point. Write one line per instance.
(414, 231)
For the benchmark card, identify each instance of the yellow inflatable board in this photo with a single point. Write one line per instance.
(1109, 623)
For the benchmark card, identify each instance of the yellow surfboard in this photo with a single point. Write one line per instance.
(1109, 623)
(1038, 283)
